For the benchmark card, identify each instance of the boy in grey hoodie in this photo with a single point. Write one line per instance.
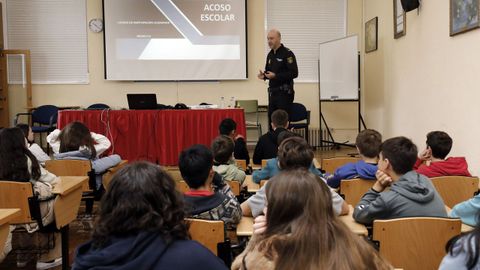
(410, 195)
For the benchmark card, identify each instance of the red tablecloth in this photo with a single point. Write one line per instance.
(157, 136)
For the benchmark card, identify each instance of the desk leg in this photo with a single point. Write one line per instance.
(65, 258)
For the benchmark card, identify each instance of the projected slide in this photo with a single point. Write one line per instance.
(175, 40)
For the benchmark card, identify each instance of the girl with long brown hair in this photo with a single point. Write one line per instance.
(302, 232)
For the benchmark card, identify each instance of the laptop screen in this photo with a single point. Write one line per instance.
(142, 101)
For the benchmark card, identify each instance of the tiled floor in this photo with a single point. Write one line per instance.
(80, 230)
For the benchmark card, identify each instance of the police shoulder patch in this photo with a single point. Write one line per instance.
(290, 59)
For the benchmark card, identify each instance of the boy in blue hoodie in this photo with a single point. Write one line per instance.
(368, 146)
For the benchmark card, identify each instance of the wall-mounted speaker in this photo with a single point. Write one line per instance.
(409, 5)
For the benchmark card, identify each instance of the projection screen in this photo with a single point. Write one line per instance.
(175, 40)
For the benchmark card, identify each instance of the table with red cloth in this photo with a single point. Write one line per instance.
(154, 135)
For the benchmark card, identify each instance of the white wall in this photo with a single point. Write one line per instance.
(425, 80)
(340, 116)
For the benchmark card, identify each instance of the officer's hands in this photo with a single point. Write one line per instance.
(260, 75)
(270, 75)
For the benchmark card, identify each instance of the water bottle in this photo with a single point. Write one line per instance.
(222, 102)
(232, 102)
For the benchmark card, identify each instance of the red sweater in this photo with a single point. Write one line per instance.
(452, 166)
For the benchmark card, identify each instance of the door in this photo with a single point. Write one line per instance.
(4, 113)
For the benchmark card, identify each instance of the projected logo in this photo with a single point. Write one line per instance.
(193, 46)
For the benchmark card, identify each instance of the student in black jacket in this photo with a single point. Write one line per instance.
(267, 145)
(228, 128)
(141, 226)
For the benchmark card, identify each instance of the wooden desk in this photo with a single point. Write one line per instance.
(5, 216)
(66, 207)
(354, 226)
(245, 227)
(465, 228)
(251, 186)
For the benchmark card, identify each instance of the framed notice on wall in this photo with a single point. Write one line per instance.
(399, 19)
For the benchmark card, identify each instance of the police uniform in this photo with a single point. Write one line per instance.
(280, 91)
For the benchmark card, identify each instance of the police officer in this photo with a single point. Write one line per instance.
(280, 69)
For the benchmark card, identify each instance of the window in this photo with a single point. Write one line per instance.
(55, 32)
(305, 24)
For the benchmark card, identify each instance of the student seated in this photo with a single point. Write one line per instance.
(411, 194)
(203, 201)
(432, 163)
(293, 153)
(76, 141)
(272, 168)
(267, 145)
(141, 226)
(223, 161)
(18, 164)
(36, 150)
(368, 146)
(300, 231)
(463, 251)
(228, 128)
(467, 211)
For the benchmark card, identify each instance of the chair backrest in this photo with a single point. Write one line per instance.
(15, 195)
(298, 112)
(43, 114)
(242, 164)
(354, 189)
(108, 175)
(181, 186)
(235, 187)
(264, 163)
(248, 106)
(176, 175)
(415, 243)
(455, 189)
(331, 164)
(70, 167)
(209, 233)
(98, 106)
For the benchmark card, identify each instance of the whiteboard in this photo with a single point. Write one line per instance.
(338, 69)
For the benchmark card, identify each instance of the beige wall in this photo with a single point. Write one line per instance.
(425, 80)
(113, 93)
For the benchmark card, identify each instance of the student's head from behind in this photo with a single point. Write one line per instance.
(13, 157)
(279, 119)
(222, 149)
(368, 143)
(285, 135)
(302, 227)
(27, 131)
(195, 164)
(141, 198)
(295, 196)
(397, 155)
(227, 127)
(439, 143)
(294, 153)
(75, 135)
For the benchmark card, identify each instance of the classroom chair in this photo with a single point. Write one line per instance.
(299, 118)
(353, 190)
(20, 195)
(211, 234)
(455, 189)
(250, 107)
(329, 165)
(108, 175)
(416, 242)
(70, 167)
(242, 164)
